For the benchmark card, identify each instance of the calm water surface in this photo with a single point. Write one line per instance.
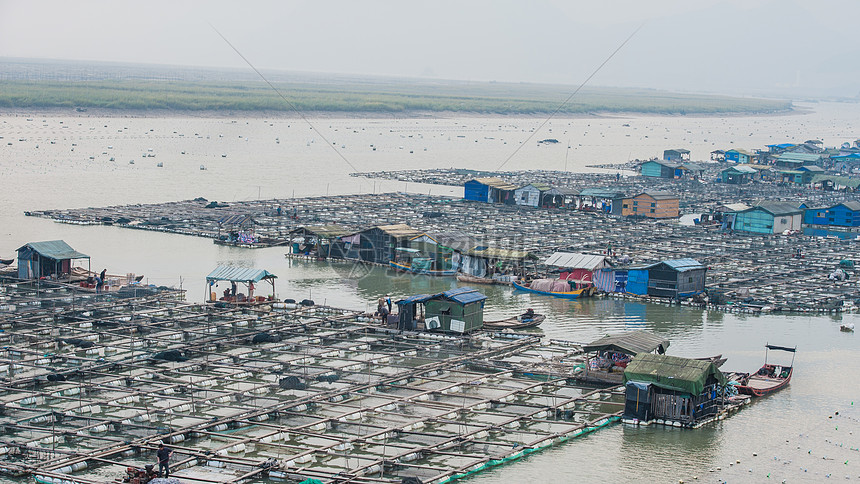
(48, 165)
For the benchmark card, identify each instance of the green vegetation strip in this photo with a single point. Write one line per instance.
(367, 97)
(518, 455)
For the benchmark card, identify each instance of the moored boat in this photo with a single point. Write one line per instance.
(417, 270)
(483, 280)
(553, 287)
(516, 322)
(770, 377)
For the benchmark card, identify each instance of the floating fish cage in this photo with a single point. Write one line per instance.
(244, 395)
(740, 265)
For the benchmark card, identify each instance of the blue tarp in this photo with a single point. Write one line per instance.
(637, 281)
(418, 298)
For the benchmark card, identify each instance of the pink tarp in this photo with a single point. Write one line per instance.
(550, 285)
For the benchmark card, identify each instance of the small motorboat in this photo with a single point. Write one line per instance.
(555, 288)
(846, 327)
(522, 321)
(470, 279)
(769, 378)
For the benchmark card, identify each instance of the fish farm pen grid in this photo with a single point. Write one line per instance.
(90, 384)
(752, 272)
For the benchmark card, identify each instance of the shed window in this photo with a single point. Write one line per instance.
(635, 202)
(652, 210)
(653, 204)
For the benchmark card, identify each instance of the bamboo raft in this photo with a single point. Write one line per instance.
(89, 384)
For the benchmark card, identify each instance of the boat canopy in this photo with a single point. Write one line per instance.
(631, 343)
(783, 348)
(672, 372)
(239, 274)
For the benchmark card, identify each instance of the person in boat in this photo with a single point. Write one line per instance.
(99, 283)
(388, 302)
(529, 314)
(103, 274)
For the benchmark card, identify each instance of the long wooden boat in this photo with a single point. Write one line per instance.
(769, 378)
(574, 294)
(427, 272)
(515, 322)
(480, 280)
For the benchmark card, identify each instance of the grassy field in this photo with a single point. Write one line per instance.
(367, 96)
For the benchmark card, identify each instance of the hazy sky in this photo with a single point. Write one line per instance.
(782, 47)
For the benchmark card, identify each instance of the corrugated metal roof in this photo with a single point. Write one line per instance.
(672, 372)
(464, 295)
(670, 164)
(693, 167)
(632, 343)
(497, 183)
(400, 230)
(743, 152)
(659, 194)
(736, 207)
(601, 193)
(239, 274)
(54, 249)
(577, 261)
(792, 156)
(777, 208)
(812, 168)
(742, 169)
(541, 187)
(852, 205)
(676, 150)
(562, 191)
(506, 254)
(683, 265)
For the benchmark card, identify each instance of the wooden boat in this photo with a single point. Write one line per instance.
(427, 272)
(515, 322)
(479, 280)
(6, 262)
(573, 294)
(769, 378)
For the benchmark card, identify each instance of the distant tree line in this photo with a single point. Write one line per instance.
(380, 96)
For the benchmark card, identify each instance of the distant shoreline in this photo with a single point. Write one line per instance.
(271, 114)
